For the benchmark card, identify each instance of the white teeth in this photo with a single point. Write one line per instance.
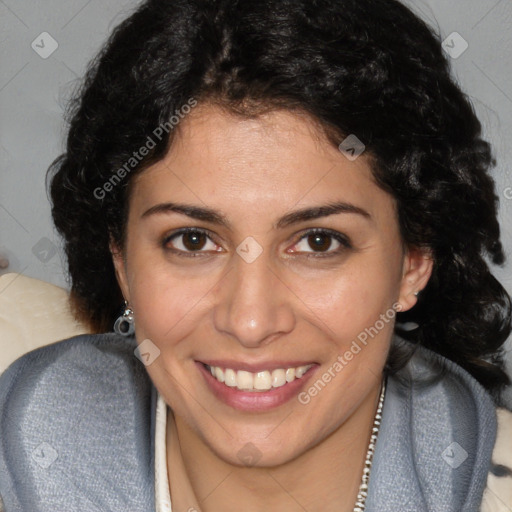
(230, 378)
(219, 375)
(278, 378)
(244, 380)
(263, 380)
(290, 374)
(300, 371)
(260, 381)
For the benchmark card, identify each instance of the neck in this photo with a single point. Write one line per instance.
(326, 477)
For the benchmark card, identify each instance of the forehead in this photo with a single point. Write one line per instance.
(274, 161)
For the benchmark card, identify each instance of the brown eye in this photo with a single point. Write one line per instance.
(194, 240)
(189, 240)
(323, 242)
(319, 241)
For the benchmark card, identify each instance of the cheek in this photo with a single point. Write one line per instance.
(166, 304)
(351, 300)
(165, 312)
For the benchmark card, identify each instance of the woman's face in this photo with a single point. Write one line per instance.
(293, 258)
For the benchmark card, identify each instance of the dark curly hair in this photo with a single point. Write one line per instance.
(365, 67)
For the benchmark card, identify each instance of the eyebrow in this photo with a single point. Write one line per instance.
(295, 217)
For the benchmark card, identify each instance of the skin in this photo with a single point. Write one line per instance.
(288, 303)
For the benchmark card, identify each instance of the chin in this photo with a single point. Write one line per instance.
(257, 450)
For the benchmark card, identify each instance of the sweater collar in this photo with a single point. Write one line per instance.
(436, 439)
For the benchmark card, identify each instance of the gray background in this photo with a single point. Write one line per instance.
(34, 91)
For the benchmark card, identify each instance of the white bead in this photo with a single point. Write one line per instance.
(363, 487)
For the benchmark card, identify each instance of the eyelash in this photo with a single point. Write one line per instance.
(343, 240)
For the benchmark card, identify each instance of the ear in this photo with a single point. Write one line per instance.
(417, 269)
(119, 261)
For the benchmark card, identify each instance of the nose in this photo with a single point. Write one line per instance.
(254, 305)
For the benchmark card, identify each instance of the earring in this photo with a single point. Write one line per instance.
(125, 324)
(407, 326)
(416, 294)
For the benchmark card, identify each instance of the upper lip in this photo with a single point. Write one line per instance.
(255, 367)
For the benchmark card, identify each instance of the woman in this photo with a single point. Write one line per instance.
(284, 209)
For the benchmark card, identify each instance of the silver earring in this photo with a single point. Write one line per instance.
(125, 324)
(416, 294)
(407, 326)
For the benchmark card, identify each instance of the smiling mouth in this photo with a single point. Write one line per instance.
(259, 381)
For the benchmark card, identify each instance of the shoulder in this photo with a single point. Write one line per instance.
(69, 371)
(447, 422)
(467, 403)
(86, 357)
(88, 344)
(432, 382)
(76, 414)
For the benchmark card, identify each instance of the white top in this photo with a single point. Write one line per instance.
(162, 492)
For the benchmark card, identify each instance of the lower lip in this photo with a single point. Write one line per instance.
(256, 400)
